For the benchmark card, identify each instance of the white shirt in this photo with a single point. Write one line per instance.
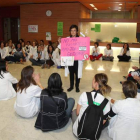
(33, 51)
(27, 105)
(6, 88)
(4, 52)
(126, 124)
(127, 53)
(96, 49)
(108, 52)
(83, 102)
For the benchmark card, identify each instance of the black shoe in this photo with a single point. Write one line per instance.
(77, 90)
(120, 82)
(69, 89)
(124, 77)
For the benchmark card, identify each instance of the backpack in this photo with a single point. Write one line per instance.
(91, 123)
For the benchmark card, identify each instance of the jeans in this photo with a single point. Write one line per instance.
(37, 63)
(71, 103)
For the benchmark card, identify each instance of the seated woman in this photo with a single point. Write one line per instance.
(125, 53)
(133, 76)
(3, 50)
(125, 121)
(17, 55)
(28, 90)
(39, 57)
(51, 60)
(108, 53)
(96, 55)
(7, 82)
(101, 89)
(55, 108)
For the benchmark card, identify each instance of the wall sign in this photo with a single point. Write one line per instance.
(33, 28)
(48, 36)
(97, 28)
(59, 28)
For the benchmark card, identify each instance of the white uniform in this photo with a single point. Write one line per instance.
(27, 105)
(108, 52)
(33, 51)
(127, 53)
(6, 89)
(126, 124)
(4, 52)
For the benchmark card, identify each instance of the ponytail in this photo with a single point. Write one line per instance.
(102, 80)
(105, 89)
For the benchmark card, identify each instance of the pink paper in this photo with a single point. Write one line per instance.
(79, 47)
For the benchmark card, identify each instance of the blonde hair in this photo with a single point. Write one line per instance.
(102, 80)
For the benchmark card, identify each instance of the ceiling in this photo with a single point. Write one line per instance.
(101, 5)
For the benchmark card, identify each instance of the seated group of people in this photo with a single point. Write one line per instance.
(108, 53)
(54, 109)
(39, 54)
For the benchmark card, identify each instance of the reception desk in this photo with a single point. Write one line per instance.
(134, 49)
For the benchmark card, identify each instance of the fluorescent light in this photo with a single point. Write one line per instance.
(119, 10)
(92, 5)
(95, 8)
(120, 4)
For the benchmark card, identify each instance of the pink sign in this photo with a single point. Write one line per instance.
(79, 47)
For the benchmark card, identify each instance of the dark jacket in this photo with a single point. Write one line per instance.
(52, 114)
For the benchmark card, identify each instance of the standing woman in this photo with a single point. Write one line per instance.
(78, 64)
(125, 53)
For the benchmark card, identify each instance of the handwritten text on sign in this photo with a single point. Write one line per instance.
(79, 47)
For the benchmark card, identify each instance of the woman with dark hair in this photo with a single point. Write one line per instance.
(17, 55)
(77, 68)
(125, 115)
(28, 89)
(108, 53)
(40, 56)
(125, 53)
(55, 107)
(7, 82)
(51, 57)
(96, 55)
(21, 40)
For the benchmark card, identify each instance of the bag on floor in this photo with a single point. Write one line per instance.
(91, 123)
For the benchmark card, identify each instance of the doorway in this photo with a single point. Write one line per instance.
(11, 29)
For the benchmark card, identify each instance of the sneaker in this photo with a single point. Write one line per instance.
(124, 77)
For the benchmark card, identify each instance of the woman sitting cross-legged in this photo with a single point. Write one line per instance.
(108, 53)
(55, 108)
(39, 56)
(7, 82)
(51, 59)
(125, 121)
(125, 53)
(28, 91)
(18, 55)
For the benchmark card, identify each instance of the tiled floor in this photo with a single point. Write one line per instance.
(13, 127)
